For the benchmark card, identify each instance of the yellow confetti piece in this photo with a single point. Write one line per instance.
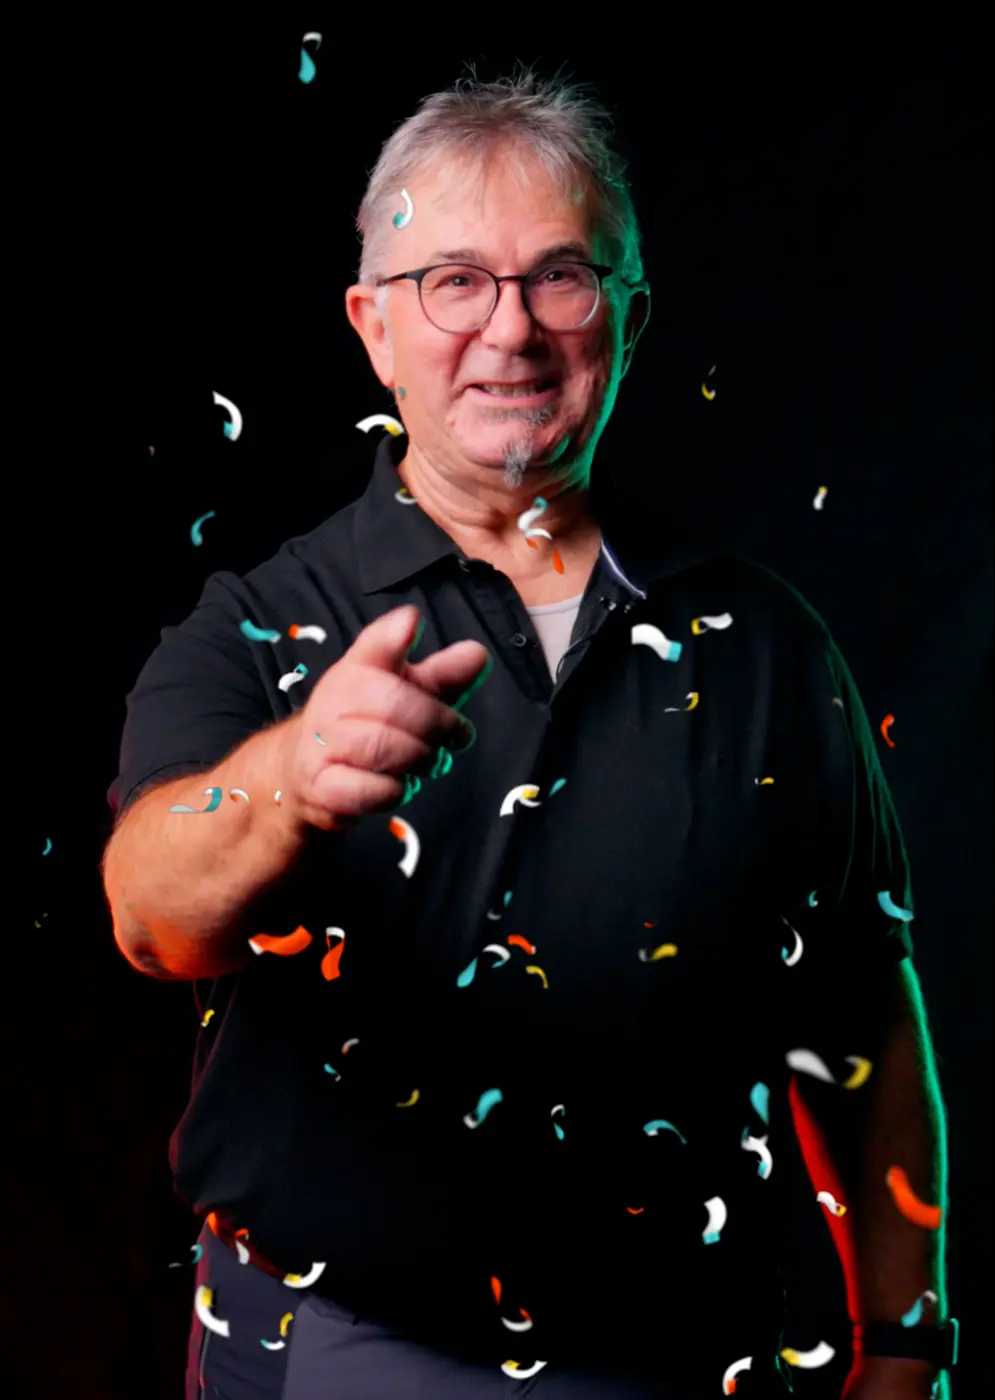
(665, 950)
(539, 971)
(285, 1322)
(409, 1103)
(207, 1017)
(709, 393)
(764, 782)
(861, 1071)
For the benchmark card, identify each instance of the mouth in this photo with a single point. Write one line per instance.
(529, 393)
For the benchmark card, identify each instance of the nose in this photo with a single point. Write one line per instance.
(510, 326)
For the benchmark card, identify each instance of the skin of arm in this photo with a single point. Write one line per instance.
(895, 1119)
(187, 891)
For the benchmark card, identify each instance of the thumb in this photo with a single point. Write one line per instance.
(385, 643)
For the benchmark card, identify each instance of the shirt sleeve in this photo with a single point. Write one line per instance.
(200, 694)
(872, 894)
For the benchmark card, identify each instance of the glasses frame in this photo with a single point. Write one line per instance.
(600, 270)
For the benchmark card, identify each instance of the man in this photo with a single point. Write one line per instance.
(498, 1036)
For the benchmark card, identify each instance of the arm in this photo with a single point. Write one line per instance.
(184, 889)
(895, 1119)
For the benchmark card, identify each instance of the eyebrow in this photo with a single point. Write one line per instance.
(475, 256)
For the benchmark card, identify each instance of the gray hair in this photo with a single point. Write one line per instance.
(564, 125)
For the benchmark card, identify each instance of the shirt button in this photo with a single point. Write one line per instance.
(519, 641)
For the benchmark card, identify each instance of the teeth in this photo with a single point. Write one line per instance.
(510, 390)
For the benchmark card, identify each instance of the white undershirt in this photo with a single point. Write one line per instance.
(554, 623)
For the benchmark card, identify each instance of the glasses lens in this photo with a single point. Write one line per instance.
(562, 296)
(457, 298)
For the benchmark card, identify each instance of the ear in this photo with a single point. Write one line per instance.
(635, 323)
(366, 321)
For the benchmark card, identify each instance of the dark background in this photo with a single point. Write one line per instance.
(820, 231)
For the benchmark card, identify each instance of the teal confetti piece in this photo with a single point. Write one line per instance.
(760, 1099)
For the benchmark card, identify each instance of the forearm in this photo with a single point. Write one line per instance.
(895, 1119)
(182, 888)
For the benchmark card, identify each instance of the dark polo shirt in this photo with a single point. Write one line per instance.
(553, 1050)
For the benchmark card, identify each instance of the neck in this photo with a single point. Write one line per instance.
(481, 511)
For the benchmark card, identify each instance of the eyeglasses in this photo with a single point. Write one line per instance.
(461, 299)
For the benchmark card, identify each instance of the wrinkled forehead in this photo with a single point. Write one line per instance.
(504, 203)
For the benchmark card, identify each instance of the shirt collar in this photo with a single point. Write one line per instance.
(395, 541)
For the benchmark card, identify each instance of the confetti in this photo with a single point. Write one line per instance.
(792, 958)
(328, 1070)
(511, 1368)
(349, 1044)
(812, 901)
(503, 954)
(528, 517)
(195, 534)
(861, 1071)
(560, 783)
(700, 625)
(891, 908)
(929, 1217)
(808, 1062)
(402, 219)
(214, 793)
(207, 1017)
(290, 678)
(320, 740)
(760, 1099)
(525, 793)
(636, 1210)
(763, 782)
(556, 1127)
(405, 497)
(645, 634)
(820, 496)
(758, 1145)
(48, 846)
(406, 834)
(306, 74)
(409, 1103)
(717, 1217)
(665, 950)
(202, 1304)
(827, 1199)
(731, 1372)
(506, 900)
(401, 392)
(657, 1125)
(330, 962)
(539, 973)
(257, 634)
(914, 1315)
(886, 724)
(467, 975)
(307, 634)
(809, 1360)
(708, 393)
(692, 695)
(233, 430)
(238, 792)
(381, 420)
(284, 945)
(305, 1280)
(515, 940)
(485, 1103)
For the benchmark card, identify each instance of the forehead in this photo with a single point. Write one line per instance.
(505, 208)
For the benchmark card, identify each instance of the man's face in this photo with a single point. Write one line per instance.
(505, 223)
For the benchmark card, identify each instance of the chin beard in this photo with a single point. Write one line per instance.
(516, 459)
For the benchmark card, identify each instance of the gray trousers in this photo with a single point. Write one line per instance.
(331, 1354)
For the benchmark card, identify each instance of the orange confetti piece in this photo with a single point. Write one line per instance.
(532, 544)
(652, 923)
(330, 962)
(929, 1217)
(292, 630)
(212, 1221)
(520, 942)
(557, 562)
(635, 1210)
(284, 945)
(886, 724)
(496, 1289)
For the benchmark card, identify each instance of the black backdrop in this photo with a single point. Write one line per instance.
(821, 237)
